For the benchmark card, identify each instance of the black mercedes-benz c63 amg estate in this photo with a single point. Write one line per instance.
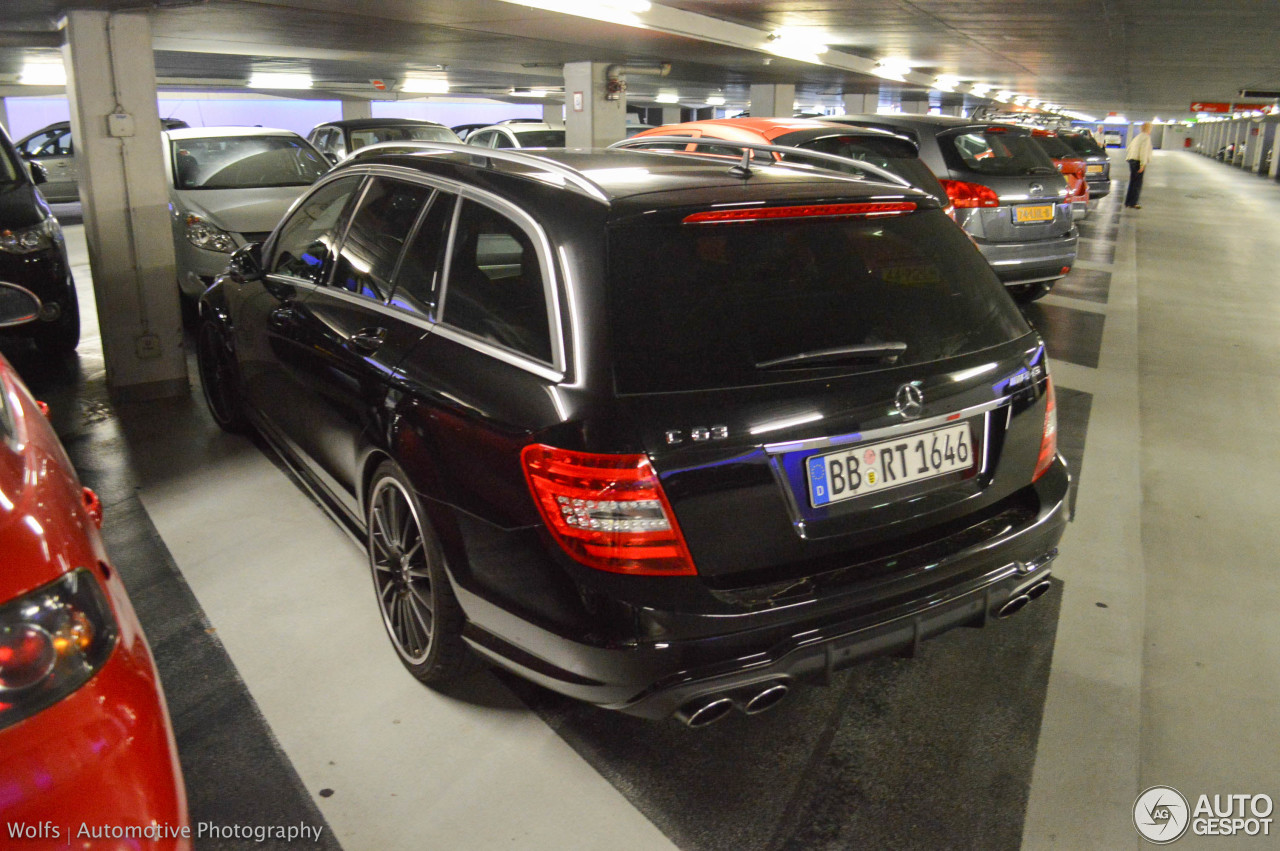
(662, 432)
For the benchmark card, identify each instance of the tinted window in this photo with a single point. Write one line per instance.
(495, 283)
(1054, 147)
(237, 162)
(481, 140)
(893, 155)
(54, 143)
(502, 140)
(995, 152)
(307, 239)
(1083, 143)
(718, 300)
(377, 235)
(541, 138)
(418, 281)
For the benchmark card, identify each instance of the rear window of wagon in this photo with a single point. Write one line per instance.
(699, 307)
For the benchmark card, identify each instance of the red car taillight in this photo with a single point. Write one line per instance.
(969, 195)
(607, 511)
(1049, 439)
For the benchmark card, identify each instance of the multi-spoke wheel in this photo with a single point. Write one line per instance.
(419, 610)
(218, 377)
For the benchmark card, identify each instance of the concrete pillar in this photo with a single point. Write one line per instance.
(1258, 144)
(671, 115)
(861, 104)
(352, 109)
(1274, 173)
(769, 100)
(591, 121)
(1157, 136)
(4, 115)
(955, 109)
(111, 85)
(915, 107)
(553, 114)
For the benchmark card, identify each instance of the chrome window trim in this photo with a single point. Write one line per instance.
(509, 356)
(399, 314)
(836, 441)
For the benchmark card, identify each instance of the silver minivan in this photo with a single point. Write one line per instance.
(1007, 193)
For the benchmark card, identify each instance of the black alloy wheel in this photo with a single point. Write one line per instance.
(421, 614)
(218, 377)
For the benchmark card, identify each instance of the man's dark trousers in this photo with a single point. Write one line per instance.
(1135, 184)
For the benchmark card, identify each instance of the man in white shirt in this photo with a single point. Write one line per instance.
(1138, 154)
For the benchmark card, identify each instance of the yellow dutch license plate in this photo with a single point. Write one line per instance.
(1037, 213)
(1093, 169)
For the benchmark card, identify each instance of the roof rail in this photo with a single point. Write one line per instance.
(845, 162)
(570, 174)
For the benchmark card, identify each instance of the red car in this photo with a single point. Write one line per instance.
(1072, 166)
(87, 754)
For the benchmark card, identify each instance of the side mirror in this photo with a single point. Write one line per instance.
(331, 157)
(39, 174)
(18, 305)
(246, 264)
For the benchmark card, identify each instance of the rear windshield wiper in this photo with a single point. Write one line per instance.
(888, 352)
(1041, 169)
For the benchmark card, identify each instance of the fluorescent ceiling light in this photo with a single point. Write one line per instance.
(272, 80)
(667, 97)
(979, 90)
(715, 100)
(425, 85)
(945, 83)
(796, 44)
(1004, 97)
(892, 69)
(43, 74)
(614, 11)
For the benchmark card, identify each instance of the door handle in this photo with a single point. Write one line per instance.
(368, 340)
(280, 318)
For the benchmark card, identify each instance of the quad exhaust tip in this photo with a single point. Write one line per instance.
(707, 710)
(1014, 606)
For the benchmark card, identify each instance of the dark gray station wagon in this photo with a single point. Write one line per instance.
(656, 431)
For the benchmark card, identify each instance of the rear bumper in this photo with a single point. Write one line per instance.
(1029, 262)
(734, 654)
(1099, 187)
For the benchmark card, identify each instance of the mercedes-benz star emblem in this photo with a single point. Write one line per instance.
(909, 401)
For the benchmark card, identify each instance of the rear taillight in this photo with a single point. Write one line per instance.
(970, 195)
(1049, 439)
(607, 511)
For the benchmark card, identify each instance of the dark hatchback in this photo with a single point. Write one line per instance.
(33, 254)
(1097, 169)
(641, 429)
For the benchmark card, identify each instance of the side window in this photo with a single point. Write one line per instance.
(418, 281)
(483, 140)
(307, 240)
(502, 140)
(64, 145)
(376, 237)
(495, 289)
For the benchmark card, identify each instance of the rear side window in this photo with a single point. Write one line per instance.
(377, 235)
(541, 138)
(718, 303)
(995, 152)
(495, 286)
(1054, 147)
(418, 281)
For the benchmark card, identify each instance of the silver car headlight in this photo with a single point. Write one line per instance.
(210, 237)
(35, 238)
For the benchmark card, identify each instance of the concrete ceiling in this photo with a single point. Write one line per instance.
(1137, 57)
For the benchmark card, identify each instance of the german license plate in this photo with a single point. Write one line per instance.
(874, 467)
(1093, 169)
(1033, 213)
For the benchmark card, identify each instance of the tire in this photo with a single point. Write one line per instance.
(1027, 293)
(220, 379)
(421, 615)
(62, 335)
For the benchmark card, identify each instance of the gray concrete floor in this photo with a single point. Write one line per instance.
(1177, 680)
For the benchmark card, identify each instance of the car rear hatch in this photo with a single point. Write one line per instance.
(1031, 193)
(1097, 165)
(820, 393)
(895, 154)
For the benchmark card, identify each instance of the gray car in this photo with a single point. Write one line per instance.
(338, 139)
(53, 148)
(1007, 194)
(522, 134)
(228, 187)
